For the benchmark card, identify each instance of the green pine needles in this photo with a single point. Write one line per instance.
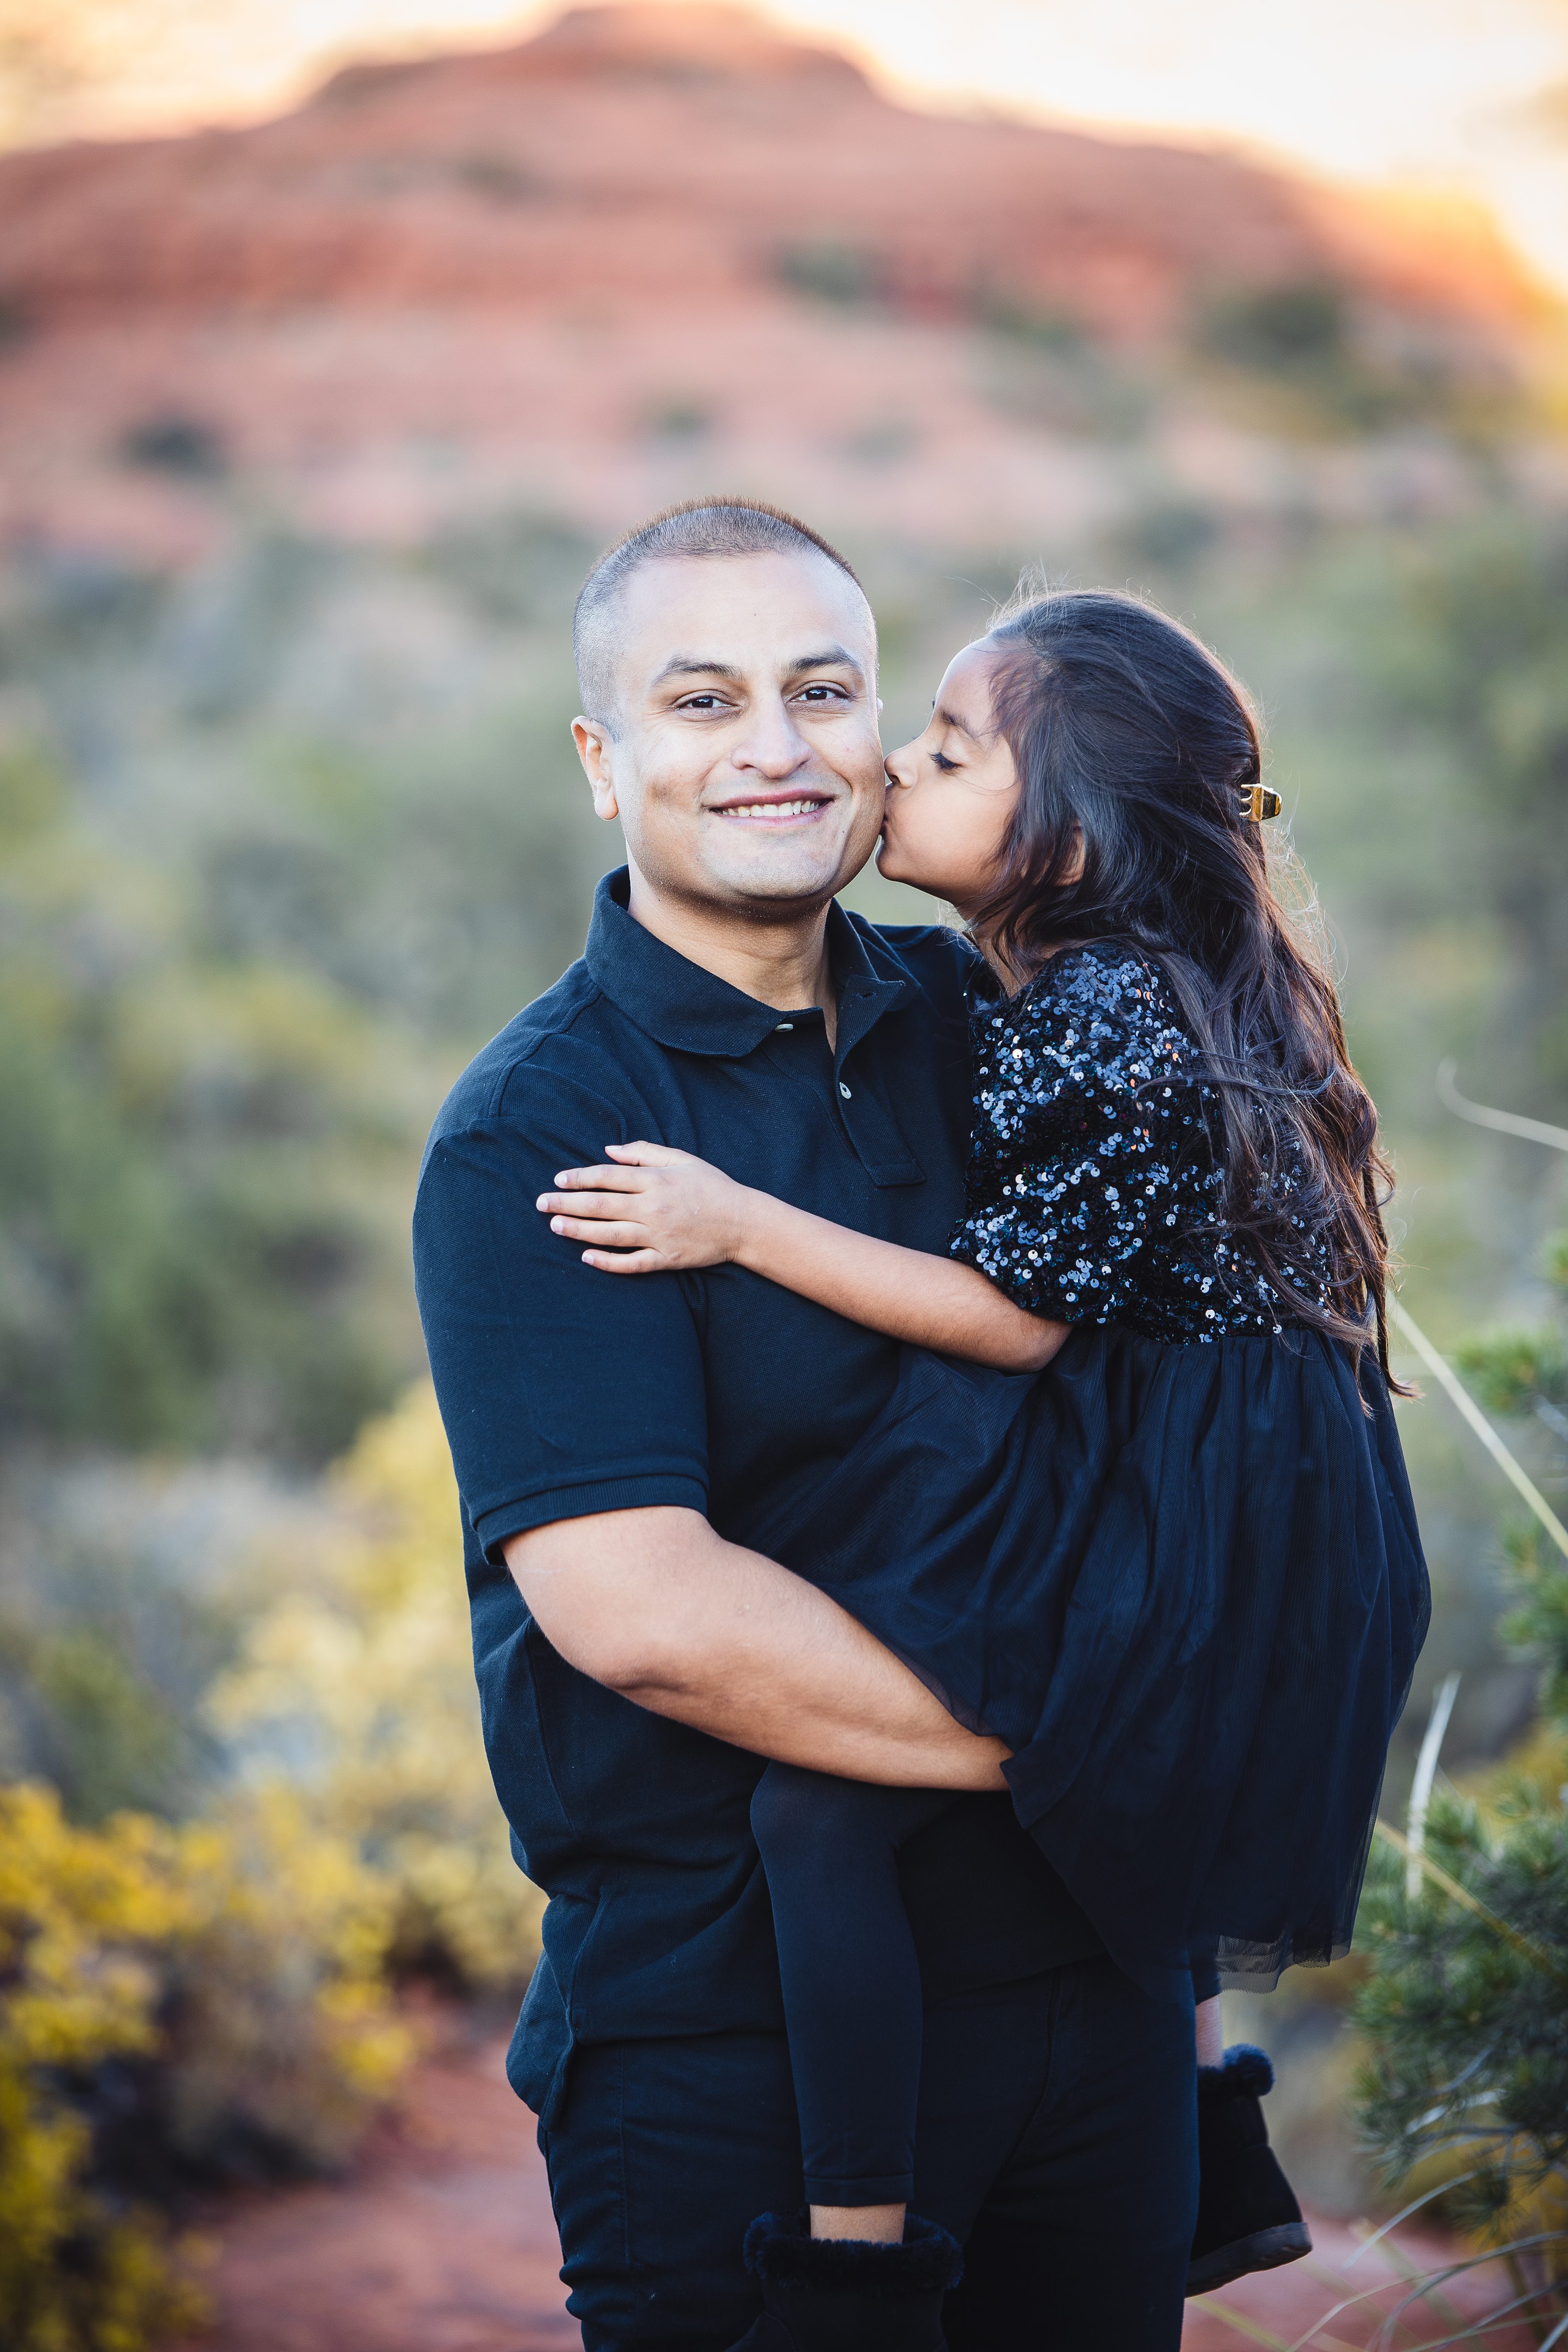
(1467, 2029)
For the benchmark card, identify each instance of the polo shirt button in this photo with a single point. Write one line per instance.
(843, 1089)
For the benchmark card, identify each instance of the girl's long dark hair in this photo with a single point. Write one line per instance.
(1135, 748)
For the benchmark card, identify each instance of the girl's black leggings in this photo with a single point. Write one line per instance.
(851, 1974)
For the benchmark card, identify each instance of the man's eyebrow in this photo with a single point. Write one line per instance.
(693, 665)
(830, 658)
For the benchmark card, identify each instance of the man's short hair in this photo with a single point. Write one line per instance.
(698, 529)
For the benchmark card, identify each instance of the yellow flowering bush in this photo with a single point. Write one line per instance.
(355, 1684)
(79, 1914)
(186, 2003)
(280, 2031)
(174, 2001)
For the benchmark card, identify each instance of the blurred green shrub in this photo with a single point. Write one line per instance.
(1463, 2007)
(1526, 1371)
(356, 1689)
(1537, 1626)
(117, 1609)
(1512, 1370)
(188, 1166)
(1347, 372)
(1299, 324)
(1466, 2083)
(110, 1741)
(1008, 313)
(1464, 2010)
(282, 838)
(174, 442)
(833, 270)
(1470, 663)
(175, 2004)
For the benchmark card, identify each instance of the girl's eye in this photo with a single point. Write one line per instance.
(942, 765)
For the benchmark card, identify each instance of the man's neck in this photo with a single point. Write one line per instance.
(782, 962)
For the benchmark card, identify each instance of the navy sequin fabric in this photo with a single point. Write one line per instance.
(1094, 1185)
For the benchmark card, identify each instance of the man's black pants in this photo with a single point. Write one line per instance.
(1057, 2140)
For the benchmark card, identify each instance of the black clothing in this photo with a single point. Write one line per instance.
(1249, 2218)
(1056, 2143)
(1093, 1190)
(851, 1980)
(846, 2294)
(567, 1391)
(1179, 1576)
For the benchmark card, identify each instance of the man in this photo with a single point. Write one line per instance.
(615, 1439)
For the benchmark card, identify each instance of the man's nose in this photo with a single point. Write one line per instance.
(773, 745)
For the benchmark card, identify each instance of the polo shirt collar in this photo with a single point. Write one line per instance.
(690, 1010)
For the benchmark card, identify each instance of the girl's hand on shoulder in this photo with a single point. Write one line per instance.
(652, 1211)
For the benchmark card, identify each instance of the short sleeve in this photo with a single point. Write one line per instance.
(564, 1392)
(1072, 1167)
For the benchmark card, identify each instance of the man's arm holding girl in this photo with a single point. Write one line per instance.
(577, 1416)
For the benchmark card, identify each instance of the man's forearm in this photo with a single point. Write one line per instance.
(656, 1605)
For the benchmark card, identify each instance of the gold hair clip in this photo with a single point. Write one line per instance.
(1259, 803)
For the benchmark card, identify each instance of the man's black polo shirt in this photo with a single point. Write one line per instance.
(565, 1391)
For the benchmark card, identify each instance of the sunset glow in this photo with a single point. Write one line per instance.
(1452, 95)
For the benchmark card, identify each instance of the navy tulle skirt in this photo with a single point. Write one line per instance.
(1185, 1584)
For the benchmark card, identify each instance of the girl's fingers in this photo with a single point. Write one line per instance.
(643, 1261)
(645, 1155)
(584, 1204)
(606, 1234)
(601, 1180)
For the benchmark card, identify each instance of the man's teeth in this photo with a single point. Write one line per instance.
(772, 808)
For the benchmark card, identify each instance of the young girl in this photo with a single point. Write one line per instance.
(1178, 1572)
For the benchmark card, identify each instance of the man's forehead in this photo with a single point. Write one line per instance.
(770, 612)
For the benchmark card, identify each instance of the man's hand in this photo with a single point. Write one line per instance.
(653, 1212)
(655, 1605)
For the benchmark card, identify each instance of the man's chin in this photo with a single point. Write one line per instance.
(779, 877)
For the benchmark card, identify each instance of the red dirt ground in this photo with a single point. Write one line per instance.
(442, 2241)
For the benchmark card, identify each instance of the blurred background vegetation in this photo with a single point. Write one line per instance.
(267, 882)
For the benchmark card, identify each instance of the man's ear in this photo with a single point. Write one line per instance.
(594, 741)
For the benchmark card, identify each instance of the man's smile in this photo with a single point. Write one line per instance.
(775, 810)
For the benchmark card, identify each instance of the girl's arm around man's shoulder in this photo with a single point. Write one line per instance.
(652, 1211)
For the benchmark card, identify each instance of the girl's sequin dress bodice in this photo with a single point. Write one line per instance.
(1093, 1193)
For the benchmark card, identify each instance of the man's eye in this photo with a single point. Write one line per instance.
(822, 694)
(699, 702)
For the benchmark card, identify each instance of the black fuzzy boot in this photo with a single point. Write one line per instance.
(849, 2294)
(1249, 2218)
